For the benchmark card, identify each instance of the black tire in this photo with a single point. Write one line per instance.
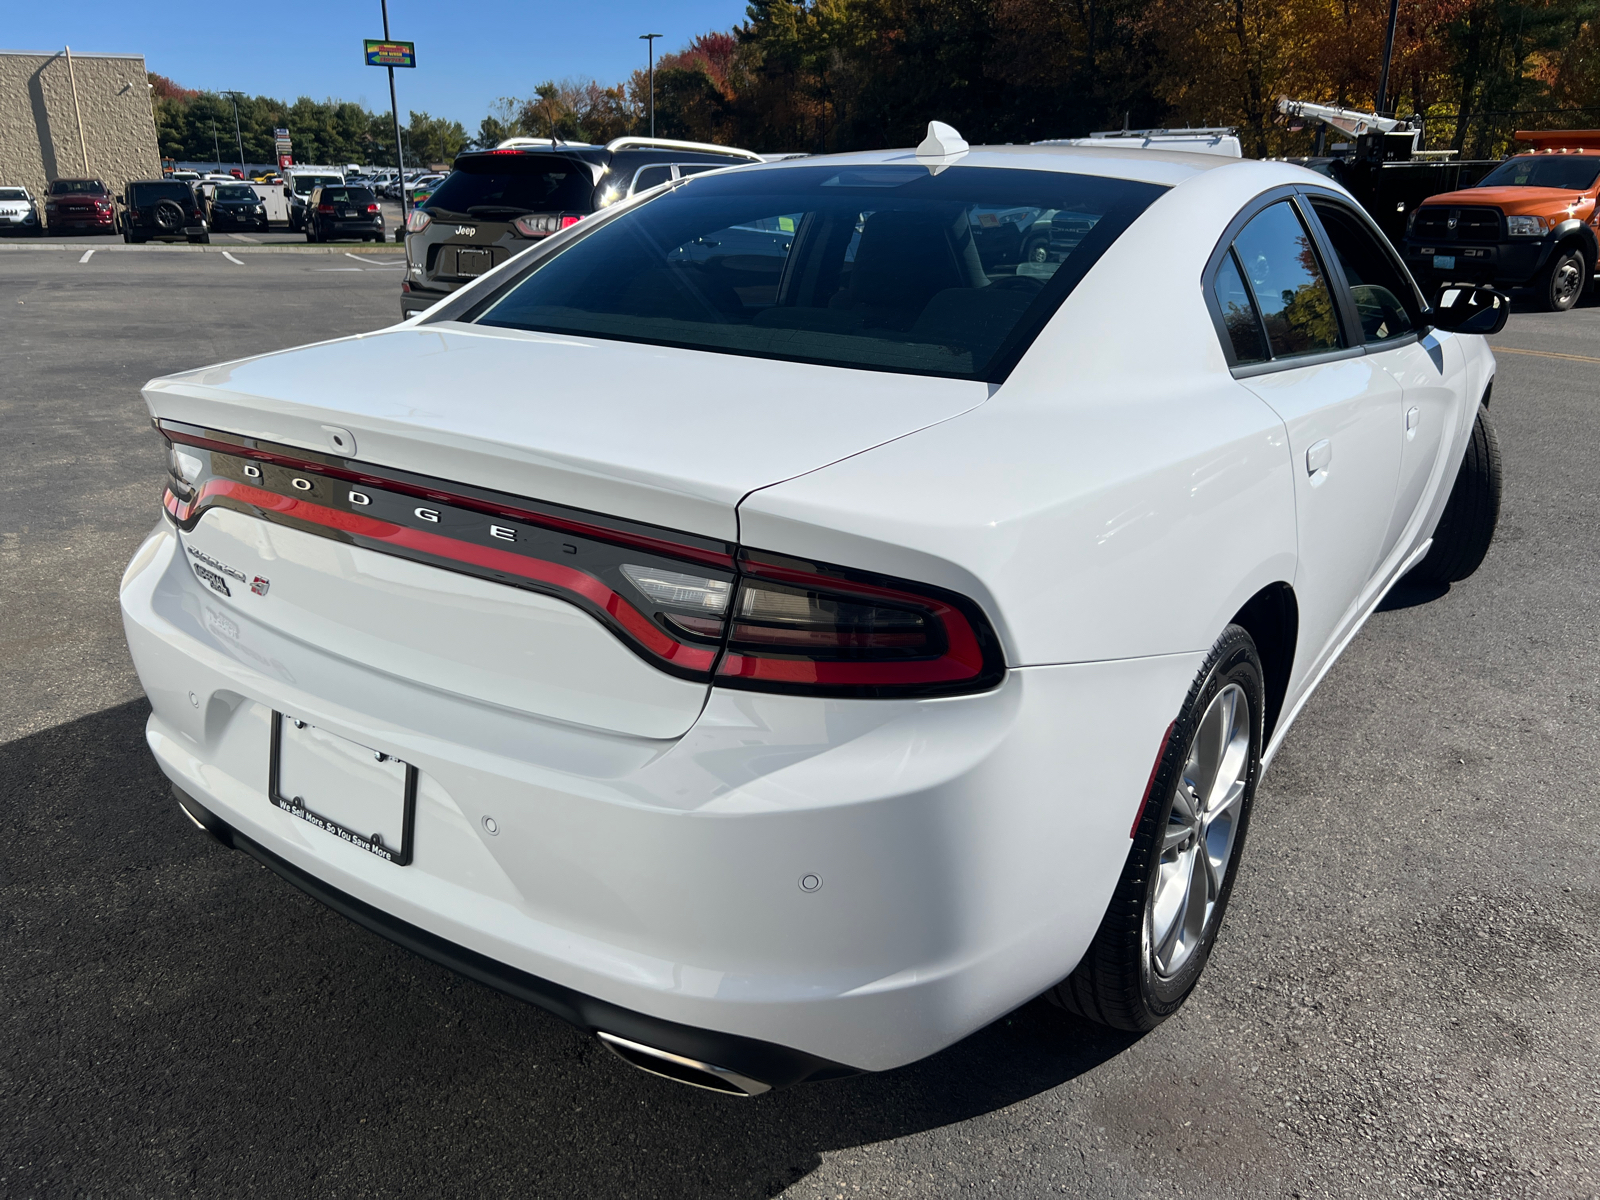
(1470, 515)
(1564, 279)
(1119, 983)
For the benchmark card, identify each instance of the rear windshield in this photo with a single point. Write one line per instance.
(77, 187)
(236, 193)
(1575, 172)
(348, 195)
(149, 193)
(512, 184)
(304, 183)
(889, 268)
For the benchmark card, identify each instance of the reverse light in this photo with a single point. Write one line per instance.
(185, 469)
(535, 225)
(418, 221)
(1523, 226)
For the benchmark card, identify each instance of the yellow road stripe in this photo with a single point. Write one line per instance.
(1541, 353)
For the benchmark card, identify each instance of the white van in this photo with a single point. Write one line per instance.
(298, 182)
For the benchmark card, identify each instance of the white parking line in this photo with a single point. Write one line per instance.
(87, 255)
(239, 237)
(232, 259)
(336, 268)
(369, 264)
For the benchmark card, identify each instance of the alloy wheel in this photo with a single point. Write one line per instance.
(1201, 832)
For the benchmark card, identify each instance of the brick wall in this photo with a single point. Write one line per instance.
(39, 127)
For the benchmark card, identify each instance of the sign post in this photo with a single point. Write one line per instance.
(284, 148)
(391, 55)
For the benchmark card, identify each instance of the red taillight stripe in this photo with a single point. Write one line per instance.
(567, 579)
(638, 541)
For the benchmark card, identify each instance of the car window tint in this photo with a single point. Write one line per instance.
(1577, 172)
(652, 176)
(1239, 313)
(77, 187)
(1385, 302)
(1276, 254)
(509, 185)
(152, 193)
(13, 194)
(890, 268)
(235, 193)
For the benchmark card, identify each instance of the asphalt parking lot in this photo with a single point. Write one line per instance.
(1403, 1001)
(278, 235)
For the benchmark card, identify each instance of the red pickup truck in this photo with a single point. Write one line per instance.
(81, 204)
(1531, 222)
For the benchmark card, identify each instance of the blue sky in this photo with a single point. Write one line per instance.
(465, 58)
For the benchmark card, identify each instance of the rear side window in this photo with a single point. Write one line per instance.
(507, 186)
(151, 193)
(1239, 313)
(885, 267)
(1275, 251)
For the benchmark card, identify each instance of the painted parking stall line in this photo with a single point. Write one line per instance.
(88, 254)
(235, 261)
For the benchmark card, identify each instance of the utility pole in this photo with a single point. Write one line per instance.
(399, 151)
(216, 146)
(649, 39)
(234, 96)
(1381, 108)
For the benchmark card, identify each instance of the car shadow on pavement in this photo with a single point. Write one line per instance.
(183, 1020)
(1406, 594)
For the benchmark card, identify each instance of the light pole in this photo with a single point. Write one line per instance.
(216, 146)
(234, 96)
(649, 39)
(399, 151)
(1388, 54)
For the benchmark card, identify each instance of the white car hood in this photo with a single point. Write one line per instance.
(650, 433)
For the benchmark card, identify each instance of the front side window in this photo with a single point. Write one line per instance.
(1377, 287)
(887, 267)
(1572, 172)
(1277, 256)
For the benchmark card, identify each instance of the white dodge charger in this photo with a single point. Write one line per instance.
(789, 620)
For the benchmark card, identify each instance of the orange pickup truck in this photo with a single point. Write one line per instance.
(1531, 222)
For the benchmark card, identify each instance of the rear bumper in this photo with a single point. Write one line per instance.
(416, 297)
(775, 1066)
(851, 883)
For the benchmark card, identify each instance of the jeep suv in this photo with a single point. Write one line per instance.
(165, 209)
(1531, 222)
(497, 203)
(80, 204)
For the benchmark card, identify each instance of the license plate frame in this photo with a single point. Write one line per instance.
(473, 261)
(1444, 262)
(296, 806)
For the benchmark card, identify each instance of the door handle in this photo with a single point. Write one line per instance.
(1319, 456)
(1413, 419)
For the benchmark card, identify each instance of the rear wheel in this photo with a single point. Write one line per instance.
(1164, 915)
(1470, 515)
(1563, 279)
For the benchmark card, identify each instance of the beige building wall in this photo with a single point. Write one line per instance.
(39, 138)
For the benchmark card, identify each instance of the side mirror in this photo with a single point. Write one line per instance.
(120, 200)
(286, 190)
(1481, 310)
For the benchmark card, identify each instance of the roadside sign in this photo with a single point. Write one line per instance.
(391, 54)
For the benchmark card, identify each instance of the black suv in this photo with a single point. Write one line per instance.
(237, 206)
(167, 209)
(496, 203)
(343, 211)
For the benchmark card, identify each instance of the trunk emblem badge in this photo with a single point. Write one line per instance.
(466, 230)
(259, 585)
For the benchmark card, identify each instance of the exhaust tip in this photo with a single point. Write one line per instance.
(680, 1069)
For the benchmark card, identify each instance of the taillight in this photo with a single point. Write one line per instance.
(372, 208)
(797, 626)
(684, 603)
(324, 208)
(417, 221)
(537, 225)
